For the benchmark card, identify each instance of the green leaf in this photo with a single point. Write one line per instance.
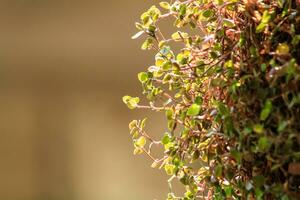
(169, 169)
(213, 54)
(139, 26)
(266, 17)
(143, 77)
(258, 128)
(145, 17)
(147, 44)
(151, 30)
(193, 110)
(132, 124)
(131, 102)
(280, 3)
(168, 146)
(134, 133)
(285, 197)
(141, 142)
(229, 64)
(242, 41)
(165, 5)
(220, 2)
(183, 58)
(258, 181)
(266, 110)
(184, 179)
(264, 144)
(167, 65)
(126, 98)
(218, 171)
(263, 67)
(138, 151)
(282, 125)
(143, 123)
(237, 156)
(199, 100)
(196, 155)
(261, 27)
(228, 191)
(296, 40)
(182, 10)
(218, 82)
(169, 114)
(167, 78)
(159, 61)
(228, 23)
(282, 49)
(264, 21)
(166, 139)
(179, 36)
(189, 195)
(161, 44)
(171, 125)
(208, 13)
(259, 194)
(154, 12)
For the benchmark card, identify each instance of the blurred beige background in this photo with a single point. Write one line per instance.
(64, 66)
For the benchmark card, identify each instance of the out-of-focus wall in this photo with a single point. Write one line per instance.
(64, 66)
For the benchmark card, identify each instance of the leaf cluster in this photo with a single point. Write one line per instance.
(231, 97)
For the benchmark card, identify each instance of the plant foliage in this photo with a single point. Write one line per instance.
(231, 96)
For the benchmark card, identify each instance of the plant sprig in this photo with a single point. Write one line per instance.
(231, 96)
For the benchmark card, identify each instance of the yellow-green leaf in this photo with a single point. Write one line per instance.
(143, 77)
(282, 48)
(258, 128)
(266, 110)
(141, 142)
(170, 169)
(208, 13)
(228, 23)
(193, 110)
(131, 102)
(179, 36)
(165, 5)
(132, 124)
(138, 151)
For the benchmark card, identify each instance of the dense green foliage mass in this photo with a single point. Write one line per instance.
(230, 93)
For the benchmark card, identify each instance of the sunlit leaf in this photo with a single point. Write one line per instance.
(141, 141)
(169, 169)
(228, 23)
(264, 144)
(282, 48)
(266, 110)
(208, 13)
(258, 128)
(143, 77)
(194, 110)
(165, 5)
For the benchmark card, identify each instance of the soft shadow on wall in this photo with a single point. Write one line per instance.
(64, 66)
